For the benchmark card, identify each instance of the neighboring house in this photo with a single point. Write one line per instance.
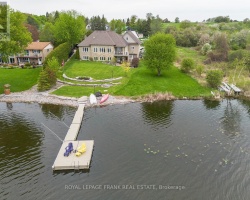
(104, 45)
(35, 53)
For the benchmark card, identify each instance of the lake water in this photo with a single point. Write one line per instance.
(164, 150)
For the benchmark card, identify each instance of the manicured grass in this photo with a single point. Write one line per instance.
(78, 91)
(142, 81)
(173, 80)
(96, 70)
(19, 79)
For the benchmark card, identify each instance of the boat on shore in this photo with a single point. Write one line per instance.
(92, 99)
(104, 98)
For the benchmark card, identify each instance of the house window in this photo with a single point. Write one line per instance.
(132, 48)
(26, 59)
(85, 58)
(102, 58)
(95, 58)
(102, 49)
(95, 49)
(126, 38)
(35, 51)
(109, 50)
(26, 52)
(85, 49)
(48, 50)
(109, 58)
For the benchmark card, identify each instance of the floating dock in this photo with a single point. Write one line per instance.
(72, 161)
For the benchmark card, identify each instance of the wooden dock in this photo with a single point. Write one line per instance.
(72, 161)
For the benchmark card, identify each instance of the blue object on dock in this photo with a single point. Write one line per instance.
(68, 149)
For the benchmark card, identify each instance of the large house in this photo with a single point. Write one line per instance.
(35, 53)
(104, 45)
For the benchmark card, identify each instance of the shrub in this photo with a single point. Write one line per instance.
(27, 64)
(77, 56)
(217, 56)
(206, 48)
(187, 65)
(61, 53)
(135, 62)
(214, 78)
(200, 69)
(44, 82)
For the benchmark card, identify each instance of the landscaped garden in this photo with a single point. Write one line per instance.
(138, 81)
(19, 79)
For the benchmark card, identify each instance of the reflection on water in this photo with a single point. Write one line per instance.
(157, 113)
(201, 145)
(211, 104)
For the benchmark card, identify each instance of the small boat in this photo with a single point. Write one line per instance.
(104, 98)
(92, 99)
(80, 150)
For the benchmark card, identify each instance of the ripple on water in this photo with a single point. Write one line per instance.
(201, 145)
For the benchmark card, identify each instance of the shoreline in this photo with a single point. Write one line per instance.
(33, 96)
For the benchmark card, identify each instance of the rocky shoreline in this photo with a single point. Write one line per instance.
(33, 96)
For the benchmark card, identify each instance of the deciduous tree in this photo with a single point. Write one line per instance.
(160, 52)
(20, 37)
(70, 27)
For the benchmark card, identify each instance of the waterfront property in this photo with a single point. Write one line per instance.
(104, 45)
(34, 53)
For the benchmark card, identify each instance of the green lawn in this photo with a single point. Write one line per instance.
(96, 70)
(19, 79)
(143, 81)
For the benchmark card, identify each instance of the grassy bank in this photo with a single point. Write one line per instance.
(96, 70)
(141, 81)
(19, 79)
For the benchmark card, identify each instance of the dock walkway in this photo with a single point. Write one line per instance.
(72, 161)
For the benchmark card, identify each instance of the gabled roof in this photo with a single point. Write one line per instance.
(106, 38)
(37, 45)
(132, 35)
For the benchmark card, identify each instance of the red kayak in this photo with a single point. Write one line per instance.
(104, 98)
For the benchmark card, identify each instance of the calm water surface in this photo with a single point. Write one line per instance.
(201, 146)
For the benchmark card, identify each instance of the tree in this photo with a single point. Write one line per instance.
(185, 24)
(177, 20)
(47, 33)
(34, 32)
(160, 52)
(221, 44)
(156, 25)
(133, 22)
(20, 37)
(69, 27)
(48, 77)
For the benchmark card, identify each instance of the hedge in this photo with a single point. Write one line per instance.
(61, 53)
